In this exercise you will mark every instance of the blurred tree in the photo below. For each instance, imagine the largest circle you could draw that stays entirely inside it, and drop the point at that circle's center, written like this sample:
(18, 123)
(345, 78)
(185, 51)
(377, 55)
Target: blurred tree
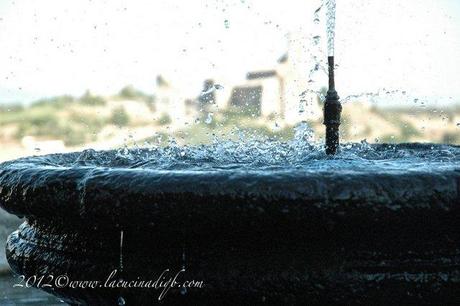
(129, 92)
(58, 102)
(164, 119)
(90, 99)
(119, 117)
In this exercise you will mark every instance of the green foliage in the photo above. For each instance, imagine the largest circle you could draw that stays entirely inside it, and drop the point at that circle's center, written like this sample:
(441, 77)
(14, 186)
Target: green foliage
(388, 138)
(129, 92)
(233, 115)
(408, 131)
(93, 123)
(12, 117)
(73, 136)
(164, 119)
(39, 124)
(56, 102)
(45, 125)
(452, 138)
(92, 100)
(119, 117)
(13, 107)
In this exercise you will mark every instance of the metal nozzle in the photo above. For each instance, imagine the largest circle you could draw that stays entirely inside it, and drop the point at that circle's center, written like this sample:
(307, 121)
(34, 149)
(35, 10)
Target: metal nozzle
(332, 110)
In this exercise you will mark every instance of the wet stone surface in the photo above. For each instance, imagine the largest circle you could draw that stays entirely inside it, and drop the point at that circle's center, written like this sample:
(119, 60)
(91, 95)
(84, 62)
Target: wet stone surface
(263, 222)
(14, 296)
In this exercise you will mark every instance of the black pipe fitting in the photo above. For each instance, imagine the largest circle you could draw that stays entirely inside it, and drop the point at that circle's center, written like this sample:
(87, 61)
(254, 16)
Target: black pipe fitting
(332, 110)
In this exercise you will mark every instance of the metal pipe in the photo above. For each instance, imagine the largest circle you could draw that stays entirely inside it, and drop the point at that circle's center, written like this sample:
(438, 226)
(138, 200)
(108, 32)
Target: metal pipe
(332, 110)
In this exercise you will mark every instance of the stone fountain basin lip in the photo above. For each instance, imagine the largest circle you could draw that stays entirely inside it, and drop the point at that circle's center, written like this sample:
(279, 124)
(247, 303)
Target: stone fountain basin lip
(30, 188)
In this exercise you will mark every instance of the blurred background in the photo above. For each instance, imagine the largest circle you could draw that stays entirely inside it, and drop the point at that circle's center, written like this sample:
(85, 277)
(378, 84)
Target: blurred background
(105, 74)
(108, 74)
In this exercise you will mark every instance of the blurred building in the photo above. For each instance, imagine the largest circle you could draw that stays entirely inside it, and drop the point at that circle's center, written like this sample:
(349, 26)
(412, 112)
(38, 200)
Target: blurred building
(278, 92)
(172, 106)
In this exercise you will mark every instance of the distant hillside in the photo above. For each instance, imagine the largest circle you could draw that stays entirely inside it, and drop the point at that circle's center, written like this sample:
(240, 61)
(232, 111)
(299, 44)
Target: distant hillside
(67, 123)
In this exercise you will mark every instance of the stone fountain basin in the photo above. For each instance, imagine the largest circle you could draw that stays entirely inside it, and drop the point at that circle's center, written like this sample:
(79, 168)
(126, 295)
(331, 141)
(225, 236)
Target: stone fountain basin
(290, 235)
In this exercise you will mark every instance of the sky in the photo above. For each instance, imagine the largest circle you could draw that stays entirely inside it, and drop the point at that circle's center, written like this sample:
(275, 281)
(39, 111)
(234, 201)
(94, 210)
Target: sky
(54, 47)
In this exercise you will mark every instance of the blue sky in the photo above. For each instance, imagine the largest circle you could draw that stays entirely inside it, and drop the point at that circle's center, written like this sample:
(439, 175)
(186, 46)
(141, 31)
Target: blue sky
(53, 47)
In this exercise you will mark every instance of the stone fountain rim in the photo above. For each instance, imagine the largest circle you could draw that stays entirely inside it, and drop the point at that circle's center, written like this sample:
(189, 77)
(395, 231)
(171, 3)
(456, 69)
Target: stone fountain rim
(82, 192)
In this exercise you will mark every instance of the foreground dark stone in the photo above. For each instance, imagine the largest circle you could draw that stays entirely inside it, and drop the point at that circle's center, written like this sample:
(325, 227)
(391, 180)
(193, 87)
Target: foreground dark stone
(281, 237)
(8, 223)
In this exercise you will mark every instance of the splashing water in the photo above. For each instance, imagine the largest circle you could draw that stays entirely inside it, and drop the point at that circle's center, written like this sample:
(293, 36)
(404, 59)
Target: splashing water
(208, 119)
(121, 301)
(372, 96)
(212, 89)
(303, 133)
(316, 19)
(251, 153)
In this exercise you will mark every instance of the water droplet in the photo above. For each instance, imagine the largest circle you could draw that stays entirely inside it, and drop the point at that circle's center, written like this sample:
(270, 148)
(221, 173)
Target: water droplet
(316, 39)
(121, 301)
(303, 132)
(226, 24)
(183, 290)
(121, 250)
(302, 105)
(37, 149)
(211, 89)
(208, 119)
